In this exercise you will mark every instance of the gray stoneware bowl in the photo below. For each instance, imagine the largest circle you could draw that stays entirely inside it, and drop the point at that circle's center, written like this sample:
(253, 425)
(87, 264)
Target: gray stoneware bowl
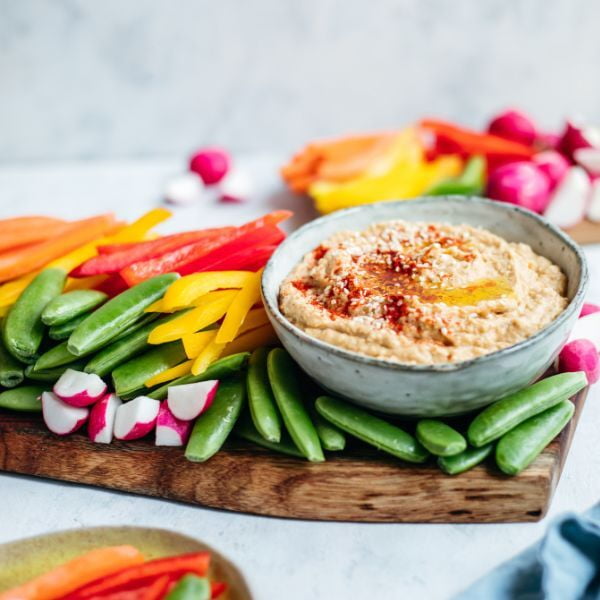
(438, 390)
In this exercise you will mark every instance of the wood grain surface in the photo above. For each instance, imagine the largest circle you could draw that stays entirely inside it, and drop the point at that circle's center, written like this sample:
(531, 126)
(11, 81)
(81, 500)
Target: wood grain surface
(585, 232)
(359, 485)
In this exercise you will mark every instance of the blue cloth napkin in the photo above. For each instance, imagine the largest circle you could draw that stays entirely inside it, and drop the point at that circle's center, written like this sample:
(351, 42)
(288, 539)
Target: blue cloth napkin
(564, 565)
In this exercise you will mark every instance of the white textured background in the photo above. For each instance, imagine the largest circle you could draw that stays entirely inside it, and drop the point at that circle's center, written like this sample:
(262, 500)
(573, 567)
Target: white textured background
(117, 78)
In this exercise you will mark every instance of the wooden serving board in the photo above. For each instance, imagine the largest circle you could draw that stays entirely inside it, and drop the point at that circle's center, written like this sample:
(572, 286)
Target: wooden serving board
(358, 485)
(585, 232)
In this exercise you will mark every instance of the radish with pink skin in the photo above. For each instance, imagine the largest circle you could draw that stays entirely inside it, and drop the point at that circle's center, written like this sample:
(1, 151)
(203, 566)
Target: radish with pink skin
(102, 419)
(136, 418)
(78, 388)
(62, 418)
(521, 183)
(587, 328)
(577, 136)
(553, 165)
(569, 201)
(580, 355)
(588, 309)
(171, 431)
(188, 401)
(514, 125)
(211, 164)
(589, 159)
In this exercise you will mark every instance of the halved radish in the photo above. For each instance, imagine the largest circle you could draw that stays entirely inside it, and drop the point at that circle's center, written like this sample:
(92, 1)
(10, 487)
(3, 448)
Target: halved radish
(593, 212)
(188, 401)
(136, 418)
(580, 355)
(171, 431)
(587, 328)
(102, 419)
(588, 308)
(62, 418)
(78, 388)
(589, 159)
(569, 201)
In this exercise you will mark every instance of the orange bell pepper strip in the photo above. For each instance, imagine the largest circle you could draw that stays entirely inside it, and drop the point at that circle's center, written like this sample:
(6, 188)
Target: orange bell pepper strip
(24, 231)
(472, 142)
(261, 336)
(78, 572)
(199, 318)
(244, 300)
(85, 283)
(186, 289)
(197, 563)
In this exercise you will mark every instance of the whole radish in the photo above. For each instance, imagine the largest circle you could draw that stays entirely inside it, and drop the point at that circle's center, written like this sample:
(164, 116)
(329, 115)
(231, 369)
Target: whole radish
(514, 125)
(211, 164)
(589, 309)
(580, 355)
(553, 165)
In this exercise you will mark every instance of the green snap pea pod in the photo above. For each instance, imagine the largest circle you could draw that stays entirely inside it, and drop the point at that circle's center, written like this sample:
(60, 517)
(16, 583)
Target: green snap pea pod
(132, 375)
(220, 369)
(51, 375)
(124, 348)
(142, 321)
(212, 427)
(23, 328)
(11, 370)
(371, 429)
(64, 330)
(25, 398)
(507, 413)
(332, 438)
(466, 460)
(285, 384)
(121, 311)
(260, 397)
(246, 430)
(518, 448)
(55, 357)
(190, 587)
(69, 305)
(440, 439)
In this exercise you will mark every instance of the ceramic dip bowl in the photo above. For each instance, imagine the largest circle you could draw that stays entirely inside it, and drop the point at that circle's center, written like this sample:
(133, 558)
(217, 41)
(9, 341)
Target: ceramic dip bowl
(441, 389)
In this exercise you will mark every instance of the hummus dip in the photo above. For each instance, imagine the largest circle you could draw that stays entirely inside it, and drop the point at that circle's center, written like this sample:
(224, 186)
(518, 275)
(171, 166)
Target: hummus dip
(422, 293)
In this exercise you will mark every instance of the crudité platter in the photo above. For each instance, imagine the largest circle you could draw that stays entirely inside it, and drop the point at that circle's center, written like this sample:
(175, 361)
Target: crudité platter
(147, 363)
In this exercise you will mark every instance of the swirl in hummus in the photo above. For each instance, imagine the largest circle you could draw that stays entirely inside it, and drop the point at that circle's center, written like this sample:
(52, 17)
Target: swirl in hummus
(422, 293)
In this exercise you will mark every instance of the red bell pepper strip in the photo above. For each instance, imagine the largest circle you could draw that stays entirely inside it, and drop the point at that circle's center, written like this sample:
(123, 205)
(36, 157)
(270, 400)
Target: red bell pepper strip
(258, 260)
(138, 575)
(458, 140)
(113, 286)
(117, 260)
(272, 218)
(194, 258)
(217, 588)
(222, 256)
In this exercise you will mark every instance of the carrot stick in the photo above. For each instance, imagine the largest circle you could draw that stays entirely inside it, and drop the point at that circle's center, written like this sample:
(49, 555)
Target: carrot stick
(76, 573)
(23, 231)
(22, 261)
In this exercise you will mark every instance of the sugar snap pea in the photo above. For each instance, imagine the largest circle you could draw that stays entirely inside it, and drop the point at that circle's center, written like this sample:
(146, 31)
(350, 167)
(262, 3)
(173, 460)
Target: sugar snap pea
(124, 348)
(518, 448)
(260, 397)
(11, 370)
(190, 587)
(507, 413)
(220, 369)
(371, 429)
(55, 357)
(121, 311)
(439, 438)
(212, 427)
(246, 430)
(64, 330)
(23, 328)
(25, 398)
(130, 376)
(332, 438)
(466, 460)
(283, 376)
(51, 375)
(69, 305)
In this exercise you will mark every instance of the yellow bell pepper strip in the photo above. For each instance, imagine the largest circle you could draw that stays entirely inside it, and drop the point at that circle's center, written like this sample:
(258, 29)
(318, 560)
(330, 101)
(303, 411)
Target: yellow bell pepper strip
(261, 336)
(255, 318)
(157, 307)
(9, 292)
(185, 290)
(86, 283)
(206, 299)
(179, 370)
(194, 343)
(244, 300)
(195, 320)
(211, 352)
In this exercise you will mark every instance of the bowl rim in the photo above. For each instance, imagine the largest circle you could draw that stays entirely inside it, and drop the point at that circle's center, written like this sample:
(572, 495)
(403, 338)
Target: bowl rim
(302, 336)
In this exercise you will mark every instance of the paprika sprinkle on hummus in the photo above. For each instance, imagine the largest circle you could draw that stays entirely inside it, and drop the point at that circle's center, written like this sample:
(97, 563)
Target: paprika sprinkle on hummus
(422, 293)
